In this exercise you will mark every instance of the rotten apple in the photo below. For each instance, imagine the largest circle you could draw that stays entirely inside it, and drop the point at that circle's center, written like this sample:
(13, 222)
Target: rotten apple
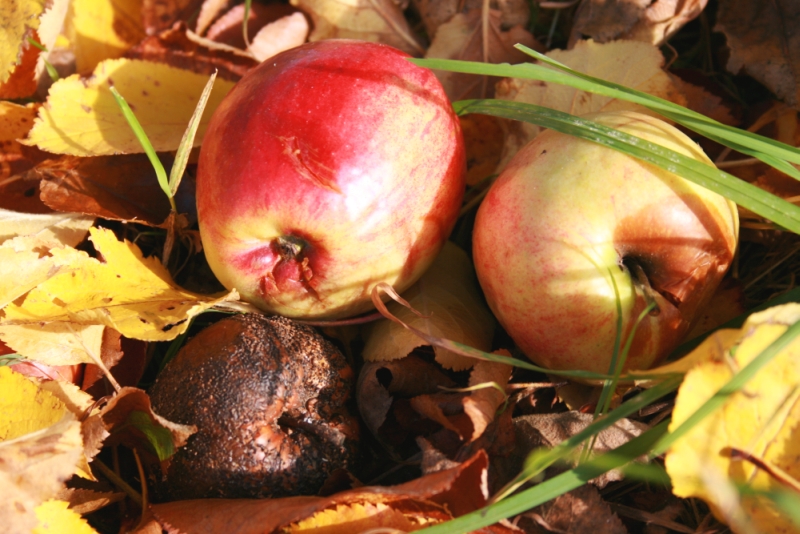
(327, 169)
(571, 224)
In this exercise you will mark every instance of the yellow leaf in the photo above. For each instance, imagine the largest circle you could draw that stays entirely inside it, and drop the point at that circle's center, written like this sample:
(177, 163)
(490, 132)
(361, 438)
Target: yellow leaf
(55, 517)
(50, 229)
(103, 29)
(761, 421)
(34, 468)
(51, 25)
(82, 118)
(380, 21)
(448, 297)
(58, 343)
(17, 17)
(132, 294)
(355, 517)
(22, 269)
(634, 64)
(24, 407)
(15, 120)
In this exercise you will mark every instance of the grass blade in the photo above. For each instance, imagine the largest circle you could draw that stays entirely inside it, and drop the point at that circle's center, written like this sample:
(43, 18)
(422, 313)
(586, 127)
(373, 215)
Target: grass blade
(185, 148)
(140, 134)
(749, 143)
(777, 210)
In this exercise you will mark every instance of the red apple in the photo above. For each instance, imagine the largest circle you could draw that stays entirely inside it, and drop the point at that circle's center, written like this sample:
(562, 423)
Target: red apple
(329, 168)
(566, 215)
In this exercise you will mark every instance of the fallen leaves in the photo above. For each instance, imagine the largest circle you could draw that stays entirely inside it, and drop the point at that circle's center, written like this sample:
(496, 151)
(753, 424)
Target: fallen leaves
(126, 291)
(82, 118)
(763, 43)
(19, 18)
(760, 421)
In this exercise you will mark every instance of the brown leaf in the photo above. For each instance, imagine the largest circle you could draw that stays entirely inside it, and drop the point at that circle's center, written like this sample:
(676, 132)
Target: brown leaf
(450, 305)
(727, 303)
(462, 38)
(380, 382)
(177, 47)
(380, 21)
(436, 12)
(581, 511)
(112, 187)
(639, 20)
(84, 501)
(117, 418)
(228, 28)
(460, 490)
(483, 141)
(702, 101)
(125, 357)
(159, 15)
(22, 82)
(764, 42)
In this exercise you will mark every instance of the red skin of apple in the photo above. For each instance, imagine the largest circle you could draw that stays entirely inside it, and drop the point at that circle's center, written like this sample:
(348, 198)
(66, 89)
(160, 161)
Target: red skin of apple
(329, 168)
(566, 215)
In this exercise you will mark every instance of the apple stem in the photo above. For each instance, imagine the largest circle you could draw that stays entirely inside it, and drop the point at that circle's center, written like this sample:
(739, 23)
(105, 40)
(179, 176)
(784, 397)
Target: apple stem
(641, 281)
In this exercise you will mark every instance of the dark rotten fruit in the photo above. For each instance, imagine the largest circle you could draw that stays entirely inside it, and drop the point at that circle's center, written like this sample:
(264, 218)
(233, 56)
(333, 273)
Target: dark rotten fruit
(268, 398)
(329, 168)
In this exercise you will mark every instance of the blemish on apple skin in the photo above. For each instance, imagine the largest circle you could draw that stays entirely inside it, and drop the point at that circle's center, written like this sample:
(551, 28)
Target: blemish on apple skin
(86, 108)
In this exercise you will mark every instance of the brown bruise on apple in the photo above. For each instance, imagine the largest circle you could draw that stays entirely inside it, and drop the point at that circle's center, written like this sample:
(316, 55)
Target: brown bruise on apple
(682, 250)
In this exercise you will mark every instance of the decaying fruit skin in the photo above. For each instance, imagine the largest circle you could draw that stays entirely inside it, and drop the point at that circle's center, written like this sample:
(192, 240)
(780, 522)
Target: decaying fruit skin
(269, 398)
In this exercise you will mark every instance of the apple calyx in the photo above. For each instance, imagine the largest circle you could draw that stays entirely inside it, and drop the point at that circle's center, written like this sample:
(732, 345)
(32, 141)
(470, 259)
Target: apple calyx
(292, 270)
(642, 284)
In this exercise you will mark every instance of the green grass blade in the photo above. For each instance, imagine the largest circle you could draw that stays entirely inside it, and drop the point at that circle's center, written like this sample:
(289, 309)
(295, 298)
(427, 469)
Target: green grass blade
(747, 195)
(735, 384)
(752, 144)
(140, 134)
(51, 70)
(552, 488)
(185, 148)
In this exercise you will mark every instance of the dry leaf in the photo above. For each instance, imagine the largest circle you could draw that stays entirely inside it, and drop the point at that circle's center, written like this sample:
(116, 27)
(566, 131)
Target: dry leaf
(283, 34)
(209, 11)
(48, 229)
(482, 404)
(129, 419)
(159, 15)
(51, 26)
(40, 446)
(22, 268)
(483, 142)
(459, 490)
(462, 38)
(82, 118)
(380, 21)
(17, 19)
(55, 344)
(702, 101)
(123, 188)
(33, 469)
(634, 64)
(180, 48)
(639, 20)
(580, 511)
(761, 420)
(22, 82)
(228, 28)
(56, 517)
(727, 303)
(763, 42)
(85, 501)
(132, 294)
(102, 29)
(450, 302)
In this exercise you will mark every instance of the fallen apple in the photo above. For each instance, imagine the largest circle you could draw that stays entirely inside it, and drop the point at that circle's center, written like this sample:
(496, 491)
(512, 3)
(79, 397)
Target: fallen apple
(569, 224)
(327, 169)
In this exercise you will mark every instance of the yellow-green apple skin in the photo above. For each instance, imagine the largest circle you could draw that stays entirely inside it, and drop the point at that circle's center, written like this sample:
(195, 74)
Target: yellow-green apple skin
(568, 219)
(327, 169)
